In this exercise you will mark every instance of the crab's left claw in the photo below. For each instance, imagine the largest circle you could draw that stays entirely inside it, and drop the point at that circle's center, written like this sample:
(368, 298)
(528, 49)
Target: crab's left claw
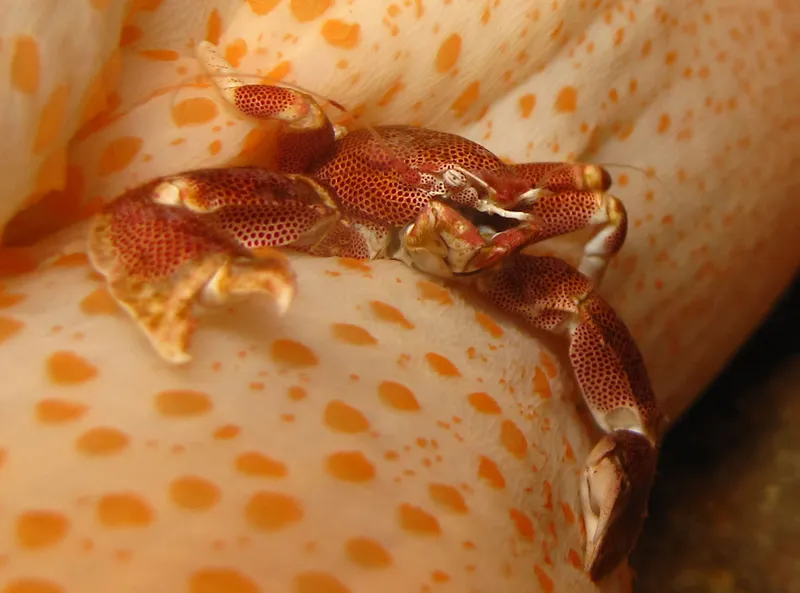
(615, 488)
(205, 237)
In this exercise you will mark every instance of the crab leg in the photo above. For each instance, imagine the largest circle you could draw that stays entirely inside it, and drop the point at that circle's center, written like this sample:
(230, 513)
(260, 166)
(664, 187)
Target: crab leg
(576, 198)
(548, 294)
(307, 136)
(205, 236)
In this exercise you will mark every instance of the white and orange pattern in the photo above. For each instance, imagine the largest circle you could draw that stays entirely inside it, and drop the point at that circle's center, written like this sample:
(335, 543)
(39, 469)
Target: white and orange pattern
(387, 433)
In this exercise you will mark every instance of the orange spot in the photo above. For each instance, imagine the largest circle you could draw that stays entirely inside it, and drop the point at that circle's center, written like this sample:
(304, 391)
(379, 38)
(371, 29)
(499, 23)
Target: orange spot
(350, 466)
(670, 58)
(280, 71)
(441, 365)
(354, 264)
(50, 119)
(9, 327)
(67, 368)
(194, 493)
(222, 580)
(418, 521)
(526, 105)
(522, 523)
(385, 312)
(545, 582)
(466, 99)
(129, 35)
(235, 51)
(26, 66)
(484, 403)
(254, 463)
(297, 393)
(367, 553)
(398, 396)
(262, 7)
(353, 334)
(8, 301)
(118, 155)
(31, 586)
(428, 291)
(308, 10)
(489, 325)
(513, 440)
(541, 385)
(440, 576)
(646, 47)
(344, 418)
(341, 34)
(448, 496)
(293, 354)
(41, 529)
(390, 94)
(488, 470)
(99, 302)
(548, 364)
(227, 432)
(214, 26)
(567, 100)
(160, 55)
(101, 441)
(663, 123)
(58, 411)
(179, 403)
(547, 488)
(569, 454)
(318, 582)
(124, 510)
(72, 260)
(194, 111)
(575, 559)
(448, 53)
(569, 514)
(272, 511)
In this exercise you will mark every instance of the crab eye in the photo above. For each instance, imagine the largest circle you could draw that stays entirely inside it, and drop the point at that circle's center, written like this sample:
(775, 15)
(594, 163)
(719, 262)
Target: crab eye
(454, 178)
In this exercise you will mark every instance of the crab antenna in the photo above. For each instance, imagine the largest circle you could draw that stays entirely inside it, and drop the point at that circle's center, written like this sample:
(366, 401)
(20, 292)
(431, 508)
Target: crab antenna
(647, 172)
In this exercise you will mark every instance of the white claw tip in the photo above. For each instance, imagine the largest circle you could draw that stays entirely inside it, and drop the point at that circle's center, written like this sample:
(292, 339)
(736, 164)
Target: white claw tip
(283, 300)
(167, 193)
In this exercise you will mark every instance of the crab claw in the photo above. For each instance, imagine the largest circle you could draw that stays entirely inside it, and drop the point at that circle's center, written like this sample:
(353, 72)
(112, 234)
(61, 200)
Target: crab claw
(615, 488)
(159, 261)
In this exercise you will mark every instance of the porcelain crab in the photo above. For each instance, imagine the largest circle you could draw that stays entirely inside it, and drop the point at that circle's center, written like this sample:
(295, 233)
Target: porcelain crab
(436, 201)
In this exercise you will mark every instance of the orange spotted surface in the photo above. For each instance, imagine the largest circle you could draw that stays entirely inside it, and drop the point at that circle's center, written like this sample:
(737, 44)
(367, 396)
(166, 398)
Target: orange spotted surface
(387, 434)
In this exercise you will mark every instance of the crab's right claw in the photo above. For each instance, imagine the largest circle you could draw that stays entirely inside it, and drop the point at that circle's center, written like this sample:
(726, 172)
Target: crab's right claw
(615, 488)
(160, 260)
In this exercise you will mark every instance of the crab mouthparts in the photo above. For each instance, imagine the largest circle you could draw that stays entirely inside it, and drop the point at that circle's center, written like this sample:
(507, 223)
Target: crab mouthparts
(489, 208)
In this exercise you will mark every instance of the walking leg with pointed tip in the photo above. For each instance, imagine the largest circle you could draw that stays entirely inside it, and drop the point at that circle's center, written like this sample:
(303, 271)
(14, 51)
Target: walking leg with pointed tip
(548, 294)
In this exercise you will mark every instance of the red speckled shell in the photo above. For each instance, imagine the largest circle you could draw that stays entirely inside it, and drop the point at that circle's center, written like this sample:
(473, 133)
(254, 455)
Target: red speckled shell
(367, 185)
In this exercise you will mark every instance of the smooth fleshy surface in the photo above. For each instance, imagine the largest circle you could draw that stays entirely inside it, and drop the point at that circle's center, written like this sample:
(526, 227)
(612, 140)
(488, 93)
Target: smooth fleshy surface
(387, 432)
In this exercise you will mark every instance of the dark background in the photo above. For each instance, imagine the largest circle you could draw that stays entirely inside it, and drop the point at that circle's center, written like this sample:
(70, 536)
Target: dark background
(725, 509)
